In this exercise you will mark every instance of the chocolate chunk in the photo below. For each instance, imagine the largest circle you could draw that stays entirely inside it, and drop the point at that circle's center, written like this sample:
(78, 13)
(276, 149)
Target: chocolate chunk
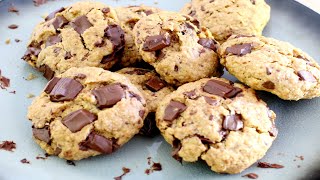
(268, 165)
(81, 24)
(33, 49)
(76, 120)
(39, 2)
(208, 43)
(149, 128)
(155, 84)
(173, 110)
(4, 82)
(268, 85)
(67, 56)
(47, 71)
(52, 40)
(251, 176)
(137, 71)
(66, 89)
(157, 42)
(8, 145)
(109, 95)
(196, 23)
(220, 88)
(306, 76)
(116, 35)
(53, 14)
(233, 122)
(191, 94)
(24, 161)
(105, 10)
(204, 140)
(239, 49)
(51, 85)
(13, 26)
(176, 148)
(59, 22)
(43, 134)
(210, 101)
(156, 167)
(253, 2)
(98, 143)
(71, 163)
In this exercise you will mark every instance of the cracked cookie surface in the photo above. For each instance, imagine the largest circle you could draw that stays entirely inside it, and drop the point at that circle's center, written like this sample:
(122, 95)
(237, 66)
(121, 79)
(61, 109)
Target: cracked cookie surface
(128, 17)
(83, 34)
(153, 89)
(223, 123)
(177, 47)
(86, 112)
(272, 65)
(226, 17)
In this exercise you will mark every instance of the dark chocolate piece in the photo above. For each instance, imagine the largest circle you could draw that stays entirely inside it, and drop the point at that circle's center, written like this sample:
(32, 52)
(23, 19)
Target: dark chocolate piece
(53, 14)
(233, 122)
(43, 134)
(306, 76)
(239, 49)
(8, 145)
(66, 89)
(268, 85)
(109, 95)
(155, 84)
(76, 120)
(98, 143)
(208, 43)
(157, 42)
(268, 165)
(51, 85)
(52, 40)
(173, 110)
(81, 24)
(221, 88)
(59, 22)
(47, 71)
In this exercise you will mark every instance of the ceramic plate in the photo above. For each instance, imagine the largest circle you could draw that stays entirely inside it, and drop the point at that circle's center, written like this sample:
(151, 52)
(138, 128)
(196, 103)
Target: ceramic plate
(298, 122)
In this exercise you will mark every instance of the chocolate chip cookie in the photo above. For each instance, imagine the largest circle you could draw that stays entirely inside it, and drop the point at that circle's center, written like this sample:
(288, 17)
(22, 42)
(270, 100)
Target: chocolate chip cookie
(272, 65)
(153, 88)
(226, 17)
(177, 47)
(223, 123)
(83, 34)
(128, 17)
(86, 112)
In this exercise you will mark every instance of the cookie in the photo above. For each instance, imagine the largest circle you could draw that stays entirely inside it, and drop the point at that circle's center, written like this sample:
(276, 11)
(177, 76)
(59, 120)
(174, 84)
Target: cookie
(177, 47)
(153, 89)
(83, 34)
(271, 65)
(224, 124)
(86, 112)
(226, 17)
(128, 17)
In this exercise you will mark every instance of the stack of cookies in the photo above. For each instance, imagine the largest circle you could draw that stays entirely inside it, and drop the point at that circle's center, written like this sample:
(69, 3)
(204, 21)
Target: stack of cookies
(117, 72)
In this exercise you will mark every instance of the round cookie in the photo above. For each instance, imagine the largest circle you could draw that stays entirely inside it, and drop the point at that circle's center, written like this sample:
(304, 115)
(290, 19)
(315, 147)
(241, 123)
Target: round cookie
(86, 112)
(226, 17)
(178, 49)
(223, 123)
(128, 17)
(83, 34)
(272, 65)
(153, 89)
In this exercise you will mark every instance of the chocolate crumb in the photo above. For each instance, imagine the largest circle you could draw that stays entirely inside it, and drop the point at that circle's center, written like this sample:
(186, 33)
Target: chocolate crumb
(13, 9)
(24, 161)
(12, 92)
(154, 167)
(125, 171)
(43, 158)
(17, 40)
(300, 157)
(149, 160)
(71, 163)
(39, 2)
(8, 146)
(13, 26)
(4, 82)
(251, 176)
(268, 165)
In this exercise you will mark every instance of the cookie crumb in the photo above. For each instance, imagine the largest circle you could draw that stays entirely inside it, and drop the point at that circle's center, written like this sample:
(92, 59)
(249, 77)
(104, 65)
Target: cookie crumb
(71, 163)
(268, 165)
(251, 176)
(125, 171)
(13, 26)
(8, 146)
(30, 77)
(7, 41)
(29, 96)
(24, 161)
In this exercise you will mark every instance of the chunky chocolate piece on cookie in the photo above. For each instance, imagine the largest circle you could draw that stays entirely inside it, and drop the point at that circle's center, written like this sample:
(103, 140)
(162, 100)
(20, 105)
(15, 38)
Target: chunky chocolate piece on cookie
(109, 95)
(51, 85)
(269, 85)
(53, 14)
(222, 89)
(116, 35)
(157, 42)
(173, 110)
(208, 43)
(240, 49)
(65, 89)
(42, 134)
(52, 40)
(81, 24)
(233, 122)
(59, 22)
(47, 71)
(76, 120)
(98, 143)
(155, 84)
(306, 76)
